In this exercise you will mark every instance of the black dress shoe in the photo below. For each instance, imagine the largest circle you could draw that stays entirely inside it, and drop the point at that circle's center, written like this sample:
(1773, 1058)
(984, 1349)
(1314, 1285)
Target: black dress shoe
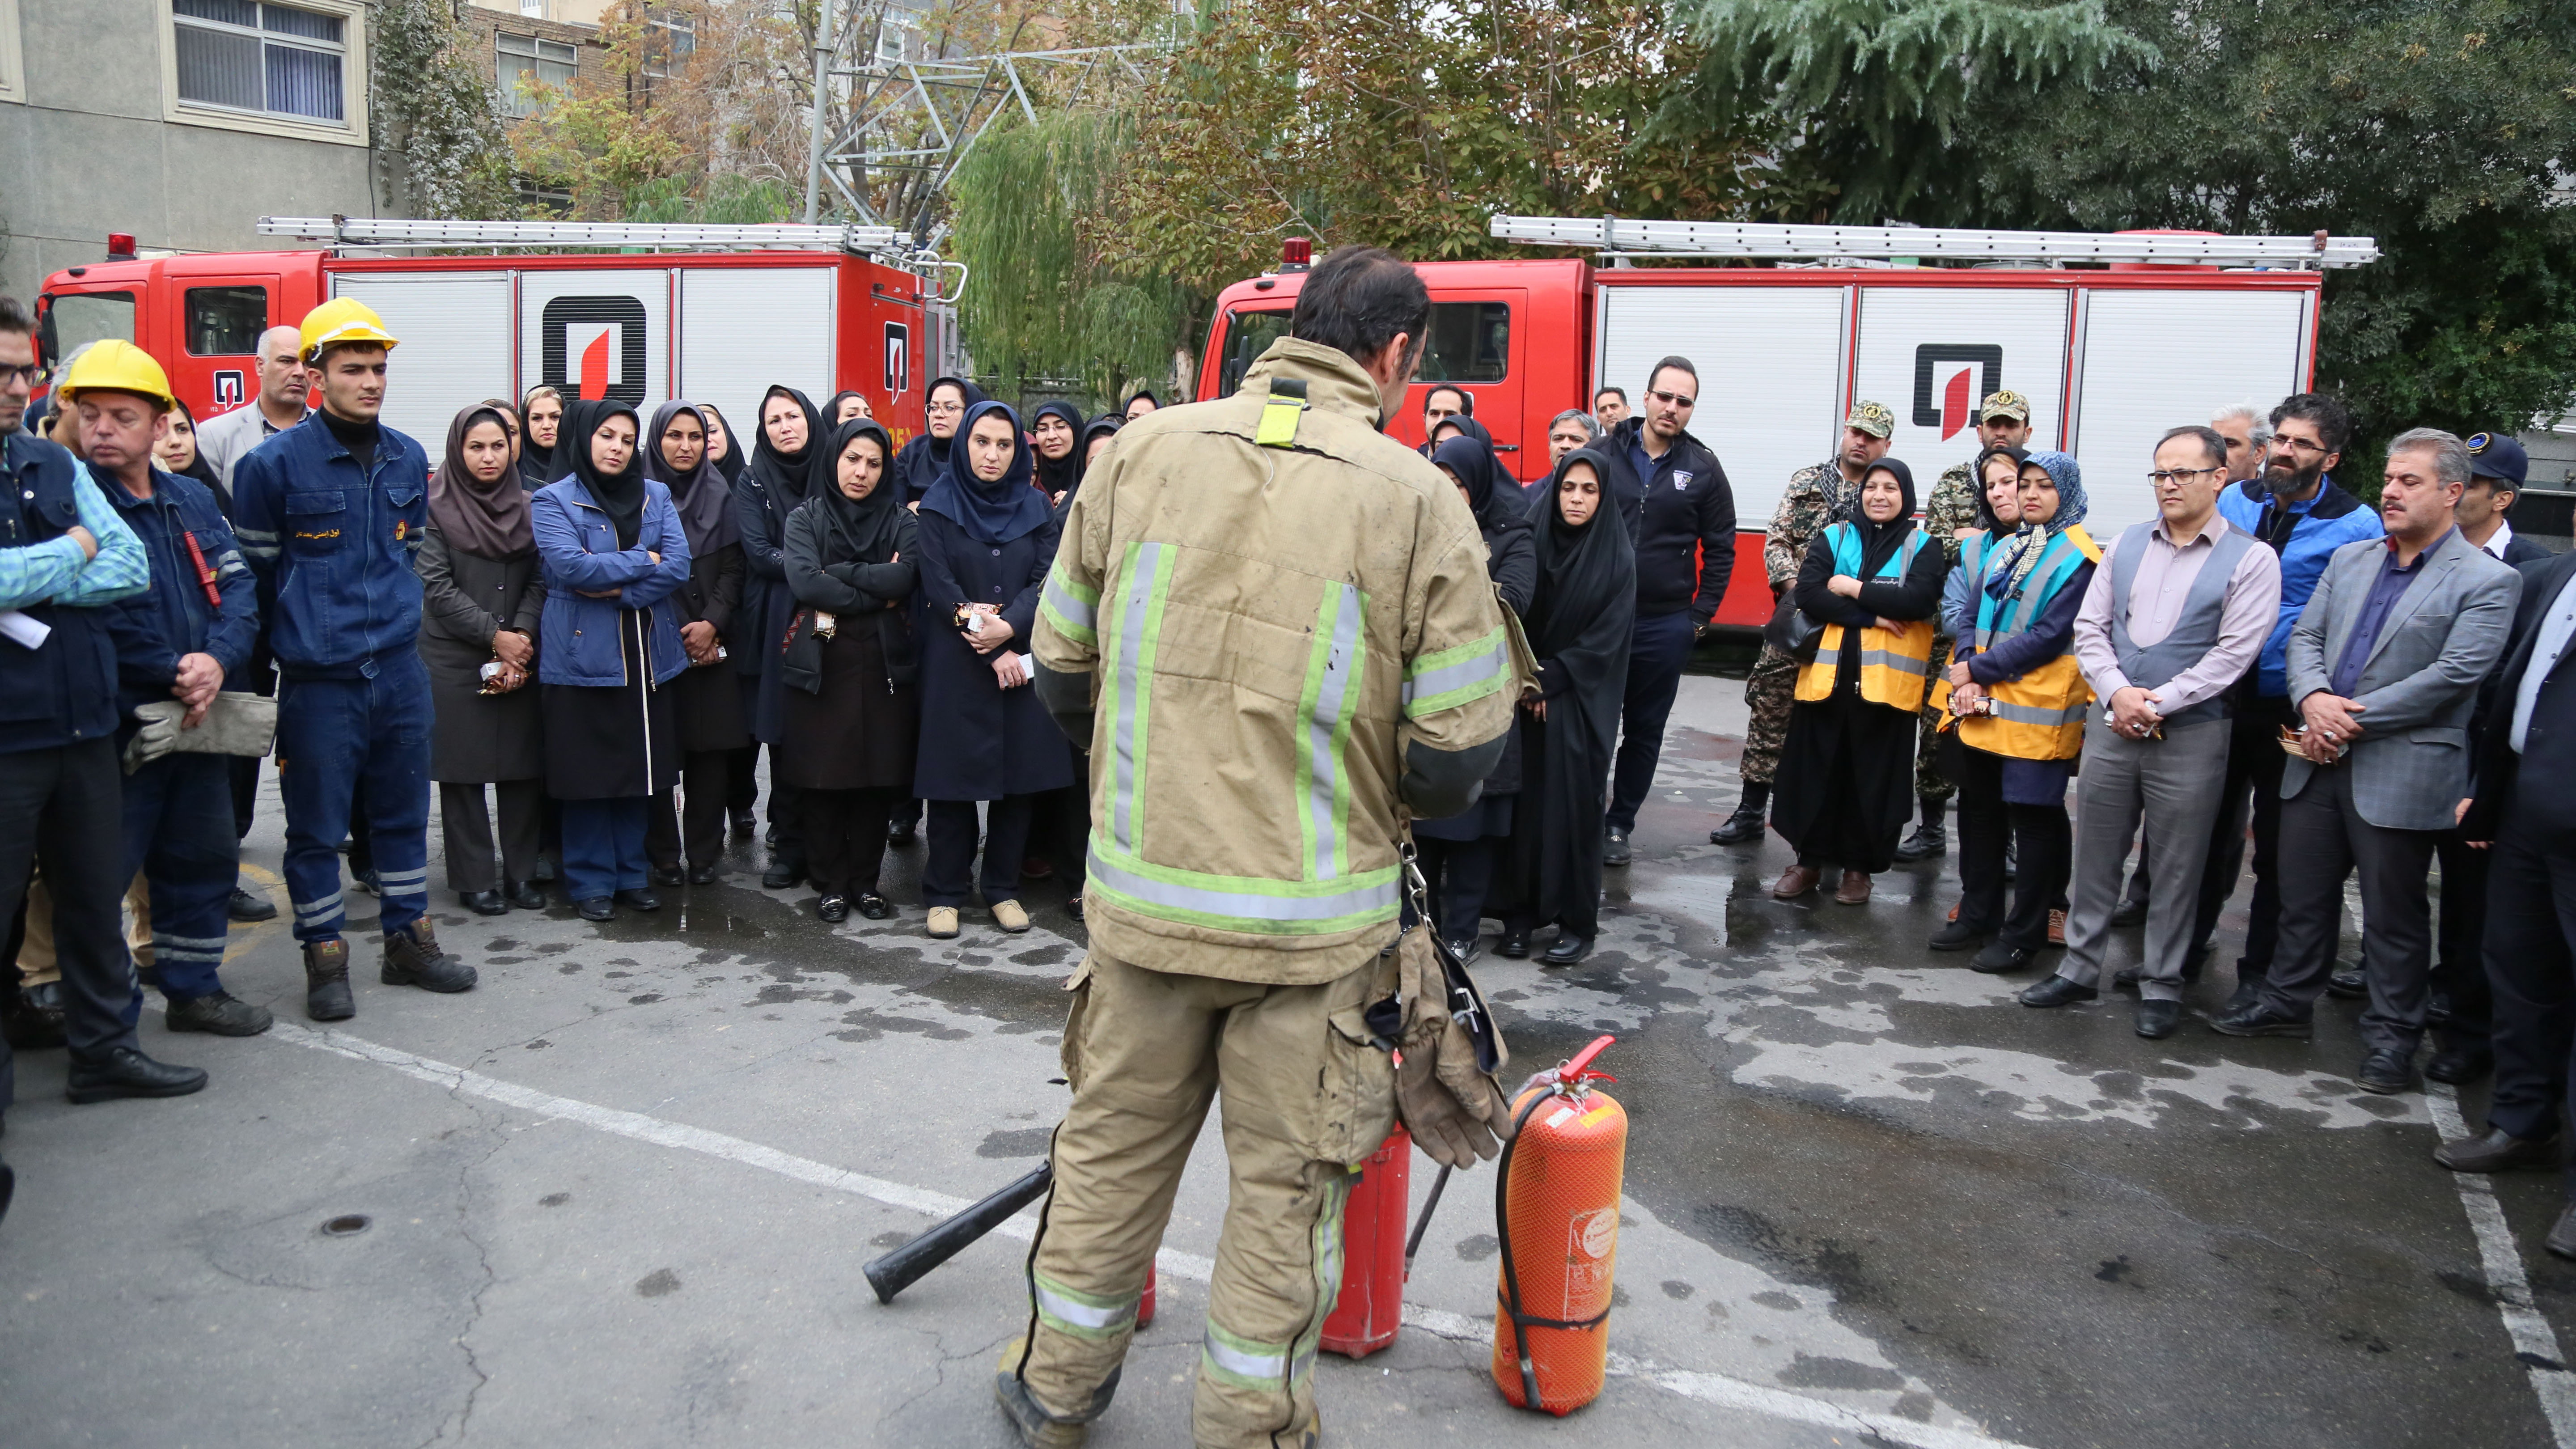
(524, 895)
(598, 908)
(2057, 991)
(2437, 1007)
(743, 823)
(38, 1023)
(2460, 1066)
(1957, 936)
(247, 907)
(2159, 1019)
(782, 874)
(2386, 1071)
(2498, 1151)
(639, 900)
(2258, 1018)
(1464, 950)
(484, 903)
(2001, 957)
(902, 834)
(833, 908)
(2125, 979)
(544, 874)
(668, 875)
(769, 837)
(1614, 847)
(125, 1072)
(2561, 1241)
(220, 1013)
(1929, 839)
(2348, 982)
(1567, 950)
(2130, 913)
(704, 874)
(1515, 942)
(1741, 828)
(876, 908)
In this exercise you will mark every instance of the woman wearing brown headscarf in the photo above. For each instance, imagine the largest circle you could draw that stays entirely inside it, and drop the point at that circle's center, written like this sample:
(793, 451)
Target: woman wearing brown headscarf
(480, 602)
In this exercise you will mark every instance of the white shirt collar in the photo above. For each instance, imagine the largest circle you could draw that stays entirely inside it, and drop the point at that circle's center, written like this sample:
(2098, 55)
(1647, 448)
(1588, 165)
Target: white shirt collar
(2495, 545)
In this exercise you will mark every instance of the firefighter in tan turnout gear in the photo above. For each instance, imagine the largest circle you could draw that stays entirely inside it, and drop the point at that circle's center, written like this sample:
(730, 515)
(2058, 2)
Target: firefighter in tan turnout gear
(1271, 626)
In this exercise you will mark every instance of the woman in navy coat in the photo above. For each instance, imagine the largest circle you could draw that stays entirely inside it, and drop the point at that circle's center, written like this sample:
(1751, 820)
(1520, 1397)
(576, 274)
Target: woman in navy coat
(614, 553)
(987, 540)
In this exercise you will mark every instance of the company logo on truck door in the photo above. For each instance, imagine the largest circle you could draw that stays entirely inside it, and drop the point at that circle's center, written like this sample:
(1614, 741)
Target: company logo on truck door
(595, 345)
(1949, 378)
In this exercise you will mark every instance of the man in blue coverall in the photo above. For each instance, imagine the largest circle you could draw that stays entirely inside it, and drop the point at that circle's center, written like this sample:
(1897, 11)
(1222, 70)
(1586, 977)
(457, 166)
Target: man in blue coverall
(329, 515)
(180, 640)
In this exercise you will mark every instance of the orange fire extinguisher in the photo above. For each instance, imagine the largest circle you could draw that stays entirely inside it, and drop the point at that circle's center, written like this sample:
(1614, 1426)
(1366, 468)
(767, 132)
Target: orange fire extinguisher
(1556, 1210)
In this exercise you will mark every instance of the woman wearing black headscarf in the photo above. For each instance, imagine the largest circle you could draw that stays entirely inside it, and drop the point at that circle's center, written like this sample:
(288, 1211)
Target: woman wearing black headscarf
(1578, 622)
(1131, 412)
(846, 405)
(785, 455)
(742, 767)
(987, 539)
(706, 700)
(1458, 851)
(480, 602)
(1846, 779)
(722, 449)
(175, 451)
(542, 458)
(614, 554)
(1055, 445)
(924, 460)
(853, 708)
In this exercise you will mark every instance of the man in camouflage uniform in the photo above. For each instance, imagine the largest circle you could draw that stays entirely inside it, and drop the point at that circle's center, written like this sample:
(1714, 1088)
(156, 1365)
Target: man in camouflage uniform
(1819, 494)
(2003, 421)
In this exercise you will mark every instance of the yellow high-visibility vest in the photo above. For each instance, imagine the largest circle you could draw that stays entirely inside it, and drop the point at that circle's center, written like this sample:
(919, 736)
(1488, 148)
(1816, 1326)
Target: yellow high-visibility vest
(2040, 714)
(1896, 663)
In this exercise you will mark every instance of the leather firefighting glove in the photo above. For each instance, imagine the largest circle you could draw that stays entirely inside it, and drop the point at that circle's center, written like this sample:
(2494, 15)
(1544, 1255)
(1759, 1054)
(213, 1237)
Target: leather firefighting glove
(1455, 1110)
(159, 735)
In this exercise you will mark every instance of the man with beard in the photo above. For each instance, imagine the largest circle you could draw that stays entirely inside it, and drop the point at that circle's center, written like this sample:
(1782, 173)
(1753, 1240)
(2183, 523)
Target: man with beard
(2295, 508)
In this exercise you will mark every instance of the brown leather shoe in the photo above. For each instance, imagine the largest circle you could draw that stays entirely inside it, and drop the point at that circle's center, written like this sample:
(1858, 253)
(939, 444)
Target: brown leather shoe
(2057, 928)
(1854, 891)
(1796, 881)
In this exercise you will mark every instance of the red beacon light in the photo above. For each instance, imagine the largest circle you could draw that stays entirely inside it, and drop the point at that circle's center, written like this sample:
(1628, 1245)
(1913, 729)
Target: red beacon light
(120, 246)
(1296, 254)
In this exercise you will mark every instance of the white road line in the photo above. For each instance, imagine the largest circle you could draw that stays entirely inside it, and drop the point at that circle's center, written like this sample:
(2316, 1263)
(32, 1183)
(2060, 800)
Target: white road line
(2534, 1342)
(1713, 1389)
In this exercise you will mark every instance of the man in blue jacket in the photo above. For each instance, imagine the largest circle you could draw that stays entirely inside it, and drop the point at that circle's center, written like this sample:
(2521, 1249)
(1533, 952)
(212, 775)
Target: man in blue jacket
(1680, 513)
(181, 639)
(2295, 508)
(329, 514)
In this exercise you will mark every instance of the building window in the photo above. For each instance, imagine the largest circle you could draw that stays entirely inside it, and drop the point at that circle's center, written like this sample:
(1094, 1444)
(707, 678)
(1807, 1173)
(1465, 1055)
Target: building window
(525, 63)
(544, 198)
(13, 84)
(670, 38)
(274, 60)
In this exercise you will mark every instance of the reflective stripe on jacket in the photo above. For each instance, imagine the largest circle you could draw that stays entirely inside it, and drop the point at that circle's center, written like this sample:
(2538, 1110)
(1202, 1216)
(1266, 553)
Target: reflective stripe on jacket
(1274, 601)
(2038, 714)
(1894, 663)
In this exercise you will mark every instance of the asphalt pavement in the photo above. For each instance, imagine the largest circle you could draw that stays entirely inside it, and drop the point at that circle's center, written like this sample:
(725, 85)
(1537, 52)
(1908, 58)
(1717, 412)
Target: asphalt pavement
(621, 1193)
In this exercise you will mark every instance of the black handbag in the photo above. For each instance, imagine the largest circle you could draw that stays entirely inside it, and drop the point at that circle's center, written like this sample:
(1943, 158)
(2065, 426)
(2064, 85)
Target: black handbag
(1792, 631)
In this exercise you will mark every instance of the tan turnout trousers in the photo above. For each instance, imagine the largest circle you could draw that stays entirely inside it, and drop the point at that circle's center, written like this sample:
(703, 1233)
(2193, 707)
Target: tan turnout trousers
(1306, 1099)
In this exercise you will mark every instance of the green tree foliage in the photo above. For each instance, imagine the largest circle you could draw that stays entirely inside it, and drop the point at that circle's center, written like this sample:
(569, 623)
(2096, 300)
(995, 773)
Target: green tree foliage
(434, 108)
(2445, 128)
(1041, 305)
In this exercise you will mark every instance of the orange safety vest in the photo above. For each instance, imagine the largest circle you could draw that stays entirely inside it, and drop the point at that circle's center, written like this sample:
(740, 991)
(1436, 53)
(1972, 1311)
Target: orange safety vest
(2038, 715)
(1894, 663)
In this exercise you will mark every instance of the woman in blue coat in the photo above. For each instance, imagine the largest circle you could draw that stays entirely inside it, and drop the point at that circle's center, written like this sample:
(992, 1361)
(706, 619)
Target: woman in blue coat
(988, 537)
(614, 552)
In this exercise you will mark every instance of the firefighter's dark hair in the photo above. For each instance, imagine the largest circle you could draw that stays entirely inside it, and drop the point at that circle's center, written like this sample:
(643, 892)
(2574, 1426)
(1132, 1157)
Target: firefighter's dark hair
(1357, 299)
(14, 318)
(2333, 420)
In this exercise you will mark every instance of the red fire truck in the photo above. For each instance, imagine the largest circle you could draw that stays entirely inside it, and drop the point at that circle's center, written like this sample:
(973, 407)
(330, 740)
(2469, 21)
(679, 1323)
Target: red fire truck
(2113, 338)
(634, 311)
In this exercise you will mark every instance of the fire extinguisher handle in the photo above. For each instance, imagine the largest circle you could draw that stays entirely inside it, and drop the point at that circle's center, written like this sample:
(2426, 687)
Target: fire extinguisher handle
(1582, 1062)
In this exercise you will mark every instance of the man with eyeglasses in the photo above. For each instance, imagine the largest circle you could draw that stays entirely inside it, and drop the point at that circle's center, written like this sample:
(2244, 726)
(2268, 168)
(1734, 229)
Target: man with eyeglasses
(1819, 494)
(2297, 510)
(1680, 513)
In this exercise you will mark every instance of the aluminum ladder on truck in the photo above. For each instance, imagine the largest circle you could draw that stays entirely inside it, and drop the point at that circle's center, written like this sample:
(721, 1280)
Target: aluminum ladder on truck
(1618, 239)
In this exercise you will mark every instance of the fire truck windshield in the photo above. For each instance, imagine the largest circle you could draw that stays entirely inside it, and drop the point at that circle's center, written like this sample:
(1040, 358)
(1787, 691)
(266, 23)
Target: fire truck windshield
(73, 320)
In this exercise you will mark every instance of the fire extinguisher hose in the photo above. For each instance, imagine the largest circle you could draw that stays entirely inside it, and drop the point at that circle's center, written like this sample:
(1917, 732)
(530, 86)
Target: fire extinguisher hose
(1522, 1322)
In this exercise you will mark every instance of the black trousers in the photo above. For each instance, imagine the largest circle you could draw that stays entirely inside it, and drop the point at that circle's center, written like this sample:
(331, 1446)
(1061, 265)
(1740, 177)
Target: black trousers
(1060, 832)
(948, 873)
(63, 810)
(1659, 645)
(2043, 842)
(742, 777)
(2323, 831)
(2254, 762)
(2531, 967)
(845, 837)
(2459, 956)
(1458, 873)
(465, 830)
(698, 825)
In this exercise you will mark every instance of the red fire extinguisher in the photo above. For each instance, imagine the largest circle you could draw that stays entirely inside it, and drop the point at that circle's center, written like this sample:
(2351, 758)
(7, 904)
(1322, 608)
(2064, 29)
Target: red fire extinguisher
(1371, 1305)
(1556, 1209)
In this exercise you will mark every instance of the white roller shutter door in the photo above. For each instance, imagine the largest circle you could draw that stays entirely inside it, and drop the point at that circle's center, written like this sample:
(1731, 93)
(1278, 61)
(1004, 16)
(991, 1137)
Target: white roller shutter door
(2156, 360)
(619, 319)
(454, 349)
(1933, 353)
(743, 329)
(1770, 363)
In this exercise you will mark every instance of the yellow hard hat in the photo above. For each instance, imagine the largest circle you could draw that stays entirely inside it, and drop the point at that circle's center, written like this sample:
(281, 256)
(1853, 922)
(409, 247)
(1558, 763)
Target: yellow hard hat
(117, 366)
(342, 319)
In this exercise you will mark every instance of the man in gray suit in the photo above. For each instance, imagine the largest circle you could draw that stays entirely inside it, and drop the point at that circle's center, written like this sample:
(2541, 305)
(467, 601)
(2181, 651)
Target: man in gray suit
(2384, 665)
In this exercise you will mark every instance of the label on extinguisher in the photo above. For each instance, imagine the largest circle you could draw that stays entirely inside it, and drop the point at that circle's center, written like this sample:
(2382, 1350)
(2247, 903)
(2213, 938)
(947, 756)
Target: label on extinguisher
(1591, 1235)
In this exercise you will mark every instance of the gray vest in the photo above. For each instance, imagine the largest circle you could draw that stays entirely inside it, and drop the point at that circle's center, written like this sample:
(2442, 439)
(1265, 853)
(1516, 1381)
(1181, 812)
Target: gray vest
(2195, 632)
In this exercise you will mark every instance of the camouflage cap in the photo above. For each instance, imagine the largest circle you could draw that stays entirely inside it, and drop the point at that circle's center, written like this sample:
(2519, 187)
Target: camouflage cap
(2004, 403)
(1873, 418)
